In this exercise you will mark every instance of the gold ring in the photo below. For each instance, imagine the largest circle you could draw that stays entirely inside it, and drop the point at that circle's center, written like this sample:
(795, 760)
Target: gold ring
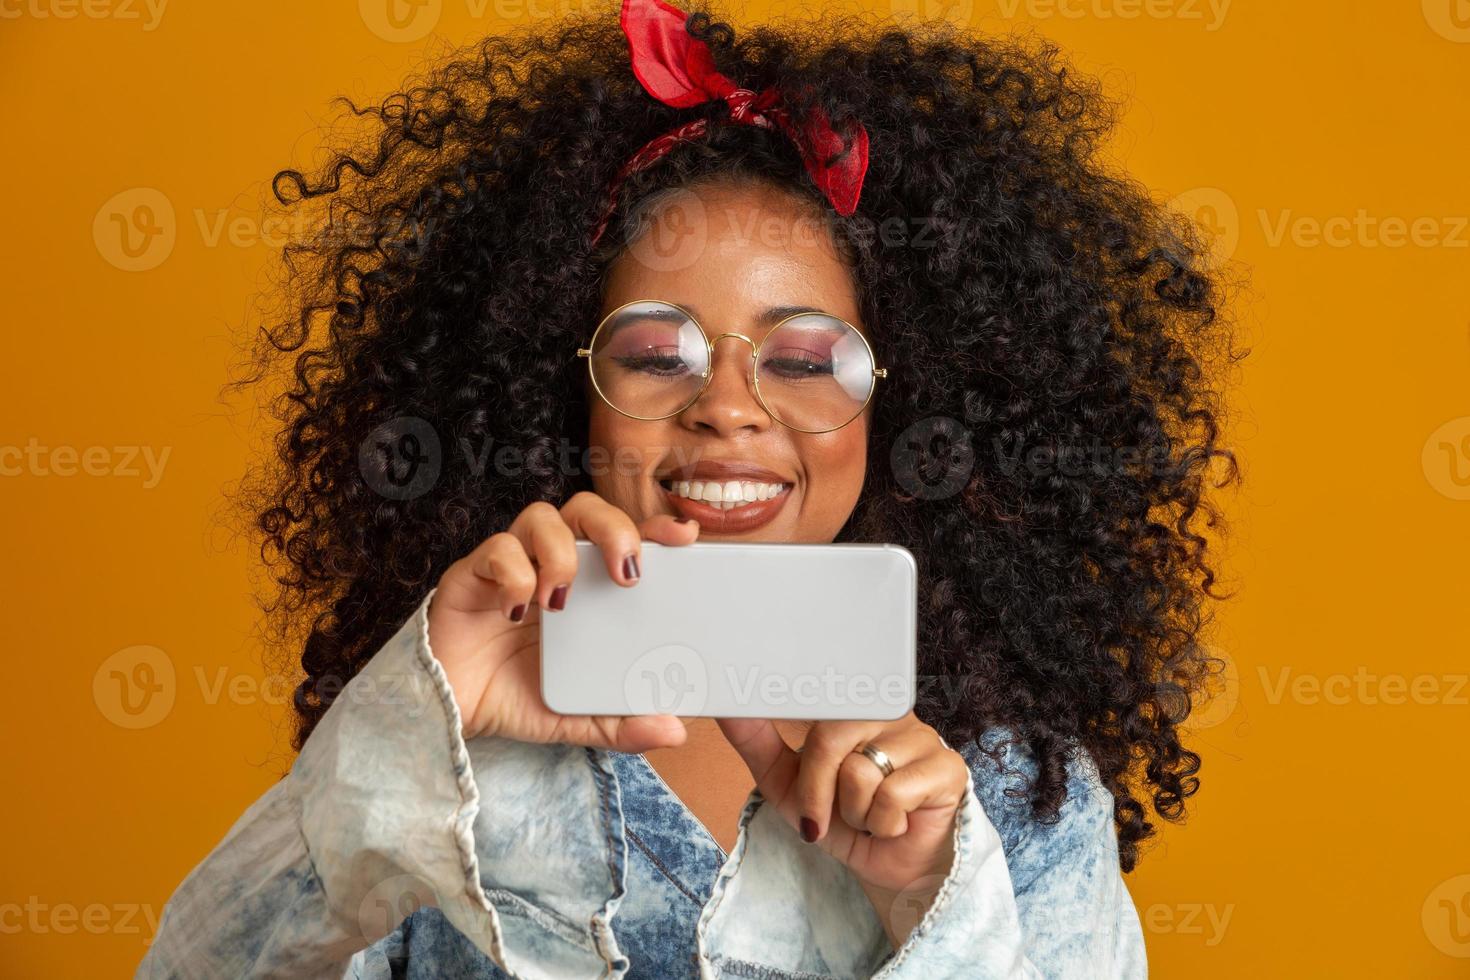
(879, 757)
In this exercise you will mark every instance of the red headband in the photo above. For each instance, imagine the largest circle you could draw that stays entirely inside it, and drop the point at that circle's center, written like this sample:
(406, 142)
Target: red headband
(679, 71)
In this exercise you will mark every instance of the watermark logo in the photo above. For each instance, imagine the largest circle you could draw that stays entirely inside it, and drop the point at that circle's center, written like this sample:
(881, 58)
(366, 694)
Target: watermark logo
(669, 232)
(400, 21)
(135, 229)
(1446, 916)
(135, 687)
(1446, 458)
(667, 680)
(390, 901)
(1450, 19)
(933, 458)
(401, 458)
(1214, 213)
(1221, 691)
(910, 905)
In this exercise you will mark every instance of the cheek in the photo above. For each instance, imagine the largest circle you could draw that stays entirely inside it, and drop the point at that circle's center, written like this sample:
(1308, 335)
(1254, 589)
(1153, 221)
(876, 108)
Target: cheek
(840, 463)
(622, 455)
(605, 436)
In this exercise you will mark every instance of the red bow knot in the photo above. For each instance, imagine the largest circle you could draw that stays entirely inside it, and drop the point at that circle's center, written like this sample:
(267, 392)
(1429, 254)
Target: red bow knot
(679, 71)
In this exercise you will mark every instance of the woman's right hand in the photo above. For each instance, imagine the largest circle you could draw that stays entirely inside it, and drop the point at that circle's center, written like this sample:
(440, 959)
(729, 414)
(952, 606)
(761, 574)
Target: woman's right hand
(484, 621)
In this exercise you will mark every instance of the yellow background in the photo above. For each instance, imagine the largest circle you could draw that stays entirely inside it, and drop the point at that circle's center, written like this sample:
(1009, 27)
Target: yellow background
(1326, 142)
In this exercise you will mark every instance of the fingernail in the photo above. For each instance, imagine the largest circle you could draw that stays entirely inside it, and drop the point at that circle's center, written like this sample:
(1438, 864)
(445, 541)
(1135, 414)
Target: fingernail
(630, 567)
(558, 597)
(518, 613)
(808, 829)
(685, 520)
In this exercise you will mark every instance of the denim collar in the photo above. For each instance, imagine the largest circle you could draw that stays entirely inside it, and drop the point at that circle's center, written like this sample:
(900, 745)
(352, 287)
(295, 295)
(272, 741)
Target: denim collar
(659, 824)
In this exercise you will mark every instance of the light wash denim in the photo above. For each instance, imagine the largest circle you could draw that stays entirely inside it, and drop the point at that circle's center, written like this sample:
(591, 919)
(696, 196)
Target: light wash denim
(395, 848)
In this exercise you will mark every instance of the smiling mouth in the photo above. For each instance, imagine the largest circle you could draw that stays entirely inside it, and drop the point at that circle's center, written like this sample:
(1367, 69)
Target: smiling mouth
(725, 494)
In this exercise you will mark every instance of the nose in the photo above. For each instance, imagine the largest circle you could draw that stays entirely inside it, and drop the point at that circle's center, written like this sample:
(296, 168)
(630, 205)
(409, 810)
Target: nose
(727, 403)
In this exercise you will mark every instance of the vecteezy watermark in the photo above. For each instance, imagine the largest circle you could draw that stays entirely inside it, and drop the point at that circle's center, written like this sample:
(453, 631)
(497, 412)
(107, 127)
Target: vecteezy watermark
(1203, 919)
(830, 688)
(401, 458)
(406, 21)
(1362, 687)
(38, 917)
(146, 13)
(933, 458)
(1446, 458)
(1363, 229)
(1446, 916)
(1450, 19)
(1215, 217)
(668, 230)
(667, 680)
(674, 679)
(404, 457)
(138, 687)
(1220, 694)
(1209, 13)
(137, 229)
(123, 462)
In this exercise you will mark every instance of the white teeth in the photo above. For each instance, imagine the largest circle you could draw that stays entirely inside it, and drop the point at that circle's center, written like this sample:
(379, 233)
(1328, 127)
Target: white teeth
(733, 493)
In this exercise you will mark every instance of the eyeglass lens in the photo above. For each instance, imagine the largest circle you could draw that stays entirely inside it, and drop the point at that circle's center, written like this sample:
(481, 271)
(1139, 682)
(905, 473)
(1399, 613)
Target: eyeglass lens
(814, 371)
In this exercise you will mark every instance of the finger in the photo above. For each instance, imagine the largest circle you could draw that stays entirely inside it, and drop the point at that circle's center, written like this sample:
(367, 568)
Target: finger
(772, 763)
(611, 529)
(931, 782)
(635, 733)
(827, 746)
(495, 575)
(668, 529)
(858, 777)
(552, 545)
(501, 562)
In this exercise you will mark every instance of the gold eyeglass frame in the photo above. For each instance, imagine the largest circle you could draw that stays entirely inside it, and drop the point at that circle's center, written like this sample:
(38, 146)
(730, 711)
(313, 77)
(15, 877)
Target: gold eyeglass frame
(709, 371)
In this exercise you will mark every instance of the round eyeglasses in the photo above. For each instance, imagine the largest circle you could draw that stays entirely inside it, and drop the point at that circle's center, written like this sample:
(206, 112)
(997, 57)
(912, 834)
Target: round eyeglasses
(813, 372)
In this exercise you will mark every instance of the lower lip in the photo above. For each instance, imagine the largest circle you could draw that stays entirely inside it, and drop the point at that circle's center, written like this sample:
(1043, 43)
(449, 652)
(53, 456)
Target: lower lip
(756, 514)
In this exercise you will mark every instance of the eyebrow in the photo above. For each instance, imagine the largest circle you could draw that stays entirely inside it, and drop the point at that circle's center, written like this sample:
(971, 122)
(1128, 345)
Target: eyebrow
(768, 317)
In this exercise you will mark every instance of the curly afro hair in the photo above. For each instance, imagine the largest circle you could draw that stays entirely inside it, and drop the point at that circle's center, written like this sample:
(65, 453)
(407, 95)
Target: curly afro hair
(1045, 451)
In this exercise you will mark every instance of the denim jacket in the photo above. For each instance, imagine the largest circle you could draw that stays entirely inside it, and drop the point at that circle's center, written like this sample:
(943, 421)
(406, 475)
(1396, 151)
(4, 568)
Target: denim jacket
(396, 848)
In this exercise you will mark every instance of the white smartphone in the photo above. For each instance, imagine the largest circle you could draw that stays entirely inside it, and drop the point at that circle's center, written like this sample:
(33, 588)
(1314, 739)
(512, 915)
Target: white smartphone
(738, 630)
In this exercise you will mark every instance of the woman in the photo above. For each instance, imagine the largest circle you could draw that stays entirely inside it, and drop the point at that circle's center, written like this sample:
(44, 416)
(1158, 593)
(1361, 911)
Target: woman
(932, 199)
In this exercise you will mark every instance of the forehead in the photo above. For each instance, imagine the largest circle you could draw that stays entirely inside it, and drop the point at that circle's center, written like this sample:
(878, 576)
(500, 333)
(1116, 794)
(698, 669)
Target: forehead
(731, 251)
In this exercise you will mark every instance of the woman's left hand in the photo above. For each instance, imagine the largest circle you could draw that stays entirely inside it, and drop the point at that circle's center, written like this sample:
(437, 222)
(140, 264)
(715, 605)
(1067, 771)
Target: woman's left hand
(894, 833)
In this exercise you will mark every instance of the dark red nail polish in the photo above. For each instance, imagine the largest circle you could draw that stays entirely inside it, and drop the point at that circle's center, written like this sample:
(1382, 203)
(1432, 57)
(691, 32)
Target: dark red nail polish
(808, 829)
(518, 613)
(559, 597)
(630, 567)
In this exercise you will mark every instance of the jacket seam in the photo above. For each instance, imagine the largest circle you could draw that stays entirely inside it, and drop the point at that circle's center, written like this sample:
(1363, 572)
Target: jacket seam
(659, 864)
